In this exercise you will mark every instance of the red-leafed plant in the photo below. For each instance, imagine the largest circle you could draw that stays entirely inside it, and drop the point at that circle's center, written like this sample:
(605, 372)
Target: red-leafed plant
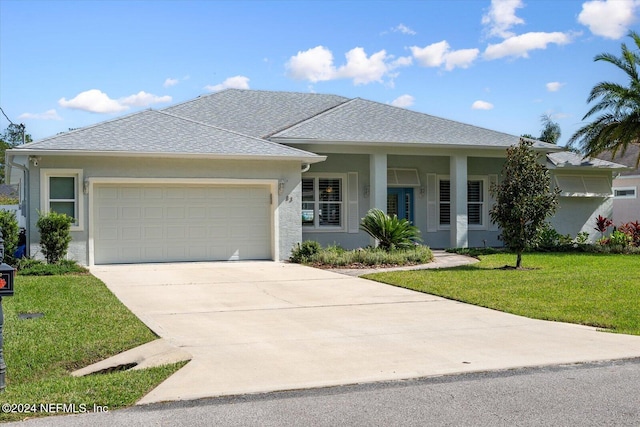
(632, 229)
(602, 224)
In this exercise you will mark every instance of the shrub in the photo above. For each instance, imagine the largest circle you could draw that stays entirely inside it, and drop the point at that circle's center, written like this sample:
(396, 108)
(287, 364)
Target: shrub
(390, 232)
(632, 229)
(55, 235)
(303, 251)
(9, 227)
(35, 267)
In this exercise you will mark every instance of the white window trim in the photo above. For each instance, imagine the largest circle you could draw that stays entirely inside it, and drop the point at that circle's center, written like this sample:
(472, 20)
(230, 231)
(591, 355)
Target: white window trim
(634, 196)
(45, 174)
(485, 201)
(343, 217)
(438, 179)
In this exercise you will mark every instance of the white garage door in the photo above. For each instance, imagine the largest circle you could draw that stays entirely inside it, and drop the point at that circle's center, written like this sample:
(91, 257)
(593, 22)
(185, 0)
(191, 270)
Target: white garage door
(162, 223)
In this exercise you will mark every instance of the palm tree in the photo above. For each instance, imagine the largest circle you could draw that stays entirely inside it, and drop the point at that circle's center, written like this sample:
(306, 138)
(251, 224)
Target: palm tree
(618, 125)
(550, 130)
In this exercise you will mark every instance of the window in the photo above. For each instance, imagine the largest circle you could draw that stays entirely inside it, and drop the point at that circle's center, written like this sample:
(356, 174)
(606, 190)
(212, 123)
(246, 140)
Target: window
(61, 192)
(476, 205)
(624, 193)
(322, 202)
(445, 202)
(475, 202)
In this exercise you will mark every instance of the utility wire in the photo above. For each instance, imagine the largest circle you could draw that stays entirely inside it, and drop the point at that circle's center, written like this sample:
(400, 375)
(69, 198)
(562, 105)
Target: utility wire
(5, 115)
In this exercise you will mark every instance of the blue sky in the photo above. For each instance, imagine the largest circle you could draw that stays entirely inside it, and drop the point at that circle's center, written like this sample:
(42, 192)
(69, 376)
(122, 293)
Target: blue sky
(494, 64)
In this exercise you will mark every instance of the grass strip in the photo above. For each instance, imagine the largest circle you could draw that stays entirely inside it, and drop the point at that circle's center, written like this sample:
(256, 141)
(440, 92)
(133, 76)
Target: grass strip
(601, 290)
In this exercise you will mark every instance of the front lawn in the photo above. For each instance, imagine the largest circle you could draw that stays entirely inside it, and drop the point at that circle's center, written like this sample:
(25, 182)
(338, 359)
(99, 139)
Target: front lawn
(82, 323)
(601, 290)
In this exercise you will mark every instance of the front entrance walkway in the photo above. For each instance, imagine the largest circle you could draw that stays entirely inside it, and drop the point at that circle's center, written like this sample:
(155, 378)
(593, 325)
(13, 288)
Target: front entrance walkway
(265, 326)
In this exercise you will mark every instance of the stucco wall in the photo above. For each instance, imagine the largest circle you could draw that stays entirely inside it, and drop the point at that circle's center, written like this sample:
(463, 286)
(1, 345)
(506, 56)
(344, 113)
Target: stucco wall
(288, 202)
(626, 210)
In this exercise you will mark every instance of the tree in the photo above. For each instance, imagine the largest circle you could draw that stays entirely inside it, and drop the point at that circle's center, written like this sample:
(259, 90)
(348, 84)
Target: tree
(12, 136)
(618, 124)
(550, 130)
(524, 199)
(391, 232)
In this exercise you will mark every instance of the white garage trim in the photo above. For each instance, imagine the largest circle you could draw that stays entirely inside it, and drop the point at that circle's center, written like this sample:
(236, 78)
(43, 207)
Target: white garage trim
(271, 183)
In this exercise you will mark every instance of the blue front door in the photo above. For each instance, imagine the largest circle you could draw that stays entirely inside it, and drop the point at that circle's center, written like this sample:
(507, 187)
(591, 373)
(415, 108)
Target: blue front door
(400, 202)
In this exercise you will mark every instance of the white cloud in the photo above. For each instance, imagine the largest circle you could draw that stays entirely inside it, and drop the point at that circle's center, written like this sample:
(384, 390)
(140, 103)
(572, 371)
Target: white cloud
(96, 101)
(235, 82)
(608, 18)
(170, 82)
(363, 69)
(47, 115)
(554, 86)
(462, 58)
(143, 99)
(482, 105)
(519, 46)
(403, 101)
(316, 65)
(432, 55)
(502, 16)
(438, 54)
(401, 28)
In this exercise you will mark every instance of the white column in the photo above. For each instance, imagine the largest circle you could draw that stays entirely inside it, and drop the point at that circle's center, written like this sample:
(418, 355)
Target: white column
(378, 181)
(459, 225)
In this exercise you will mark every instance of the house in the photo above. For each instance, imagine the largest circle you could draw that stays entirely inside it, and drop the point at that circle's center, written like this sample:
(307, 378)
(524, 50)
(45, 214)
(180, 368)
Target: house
(246, 174)
(626, 204)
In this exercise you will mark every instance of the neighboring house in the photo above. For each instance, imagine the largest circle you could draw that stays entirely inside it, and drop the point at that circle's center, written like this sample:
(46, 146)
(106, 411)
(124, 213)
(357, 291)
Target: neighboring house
(245, 174)
(626, 203)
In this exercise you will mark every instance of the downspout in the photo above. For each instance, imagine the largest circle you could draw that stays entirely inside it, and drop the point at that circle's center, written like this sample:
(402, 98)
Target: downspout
(305, 167)
(25, 201)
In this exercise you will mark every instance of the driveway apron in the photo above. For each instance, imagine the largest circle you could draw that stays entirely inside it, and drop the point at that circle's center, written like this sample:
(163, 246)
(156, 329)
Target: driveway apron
(266, 326)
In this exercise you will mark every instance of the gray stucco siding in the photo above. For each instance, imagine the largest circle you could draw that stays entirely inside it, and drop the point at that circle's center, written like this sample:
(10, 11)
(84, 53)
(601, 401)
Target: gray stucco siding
(287, 223)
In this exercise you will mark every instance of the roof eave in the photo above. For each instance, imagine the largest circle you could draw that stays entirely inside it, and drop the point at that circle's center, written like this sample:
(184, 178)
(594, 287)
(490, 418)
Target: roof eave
(310, 141)
(312, 158)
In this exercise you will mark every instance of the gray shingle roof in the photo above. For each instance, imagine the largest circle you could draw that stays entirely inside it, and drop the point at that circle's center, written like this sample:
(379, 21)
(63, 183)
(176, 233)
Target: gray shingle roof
(361, 120)
(253, 112)
(157, 132)
(629, 158)
(568, 159)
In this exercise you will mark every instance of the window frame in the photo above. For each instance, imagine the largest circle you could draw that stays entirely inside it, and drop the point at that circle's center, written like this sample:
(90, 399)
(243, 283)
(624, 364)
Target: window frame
(484, 210)
(45, 196)
(633, 196)
(316, 226)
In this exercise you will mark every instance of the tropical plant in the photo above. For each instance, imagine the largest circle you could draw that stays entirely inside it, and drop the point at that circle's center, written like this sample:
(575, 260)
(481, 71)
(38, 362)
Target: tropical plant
(391, 232)
(602, 224)
(524, 199)
(550, 130)
(55, 235)
(632, 229)
(618, 125)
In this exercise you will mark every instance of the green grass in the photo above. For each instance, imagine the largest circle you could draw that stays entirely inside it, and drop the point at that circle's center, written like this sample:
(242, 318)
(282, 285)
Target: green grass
(599, 290)
(83, 323)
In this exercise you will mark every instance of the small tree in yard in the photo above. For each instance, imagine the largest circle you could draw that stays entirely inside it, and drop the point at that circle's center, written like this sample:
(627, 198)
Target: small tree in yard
(391, 232)
(55, 235)
(524, 199)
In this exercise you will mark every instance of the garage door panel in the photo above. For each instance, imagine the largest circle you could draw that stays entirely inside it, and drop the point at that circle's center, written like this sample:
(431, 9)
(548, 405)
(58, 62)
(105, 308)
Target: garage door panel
(156, 223)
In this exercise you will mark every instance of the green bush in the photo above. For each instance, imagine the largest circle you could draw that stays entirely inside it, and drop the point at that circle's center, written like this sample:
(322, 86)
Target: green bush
(9, 227)
(303, 251)
(390, 231)
(336, 256)
(55, 235)
(35, 267)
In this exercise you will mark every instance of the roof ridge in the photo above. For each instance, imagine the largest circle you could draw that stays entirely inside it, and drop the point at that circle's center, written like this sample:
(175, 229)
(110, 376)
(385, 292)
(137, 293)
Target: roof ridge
(232, 131)
(88, 127)
(314, 117)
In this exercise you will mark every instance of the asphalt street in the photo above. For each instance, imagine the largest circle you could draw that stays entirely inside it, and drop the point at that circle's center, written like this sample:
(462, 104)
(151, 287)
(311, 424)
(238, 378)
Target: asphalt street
(594, 394)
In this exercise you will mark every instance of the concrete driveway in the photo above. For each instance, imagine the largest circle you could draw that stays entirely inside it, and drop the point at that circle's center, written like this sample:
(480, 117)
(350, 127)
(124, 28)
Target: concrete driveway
(266, 326)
